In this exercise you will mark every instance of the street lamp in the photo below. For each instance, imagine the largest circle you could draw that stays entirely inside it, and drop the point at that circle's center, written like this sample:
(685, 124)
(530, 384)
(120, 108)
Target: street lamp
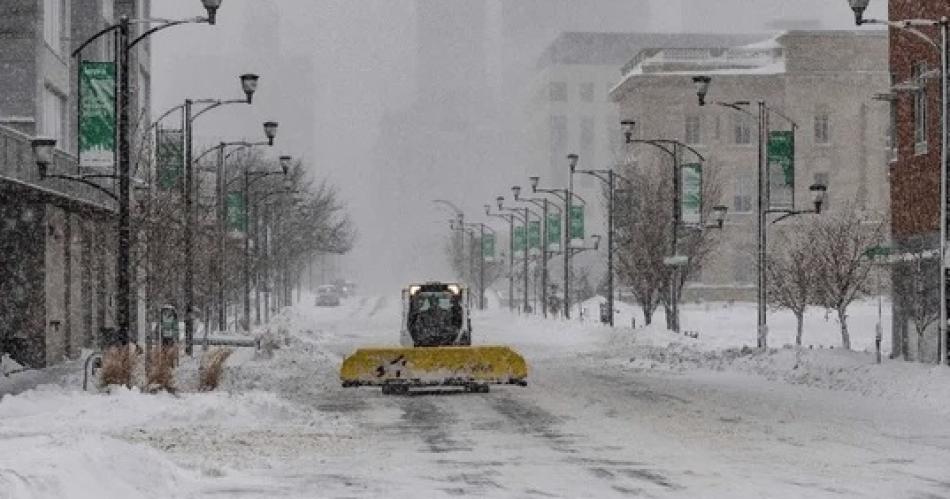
(524, 214)
(249, 85)
(43, 153)
(123, 173)
(510, 218)
(543, 204)
(270, 131)
(818, 192)
(859, 6)
(285, 163)
(566, 196)
(719, 215)
(212, 7)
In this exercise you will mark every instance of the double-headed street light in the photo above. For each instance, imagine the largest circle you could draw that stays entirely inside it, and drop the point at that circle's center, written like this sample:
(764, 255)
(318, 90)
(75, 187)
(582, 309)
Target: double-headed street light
(510, 218)
(525, 215)
(124, 170)
(544, 204)
(817, 190)
(943, 46)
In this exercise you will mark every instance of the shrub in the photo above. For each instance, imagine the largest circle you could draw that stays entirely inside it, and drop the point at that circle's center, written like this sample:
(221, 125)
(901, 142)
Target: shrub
(212, 366)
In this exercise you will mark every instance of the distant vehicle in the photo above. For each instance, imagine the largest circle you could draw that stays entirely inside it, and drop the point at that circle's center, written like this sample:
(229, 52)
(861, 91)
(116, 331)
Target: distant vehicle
(327, 296)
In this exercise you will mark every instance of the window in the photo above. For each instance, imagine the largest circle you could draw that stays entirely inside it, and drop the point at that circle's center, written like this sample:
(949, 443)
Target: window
(587, 92)
(822, 135)
(558, 141)
(920, 110)
(742, 201)
(53, 117)
(558, 91)
(587, 137)
(743, 129)
(53, 24)
(693, 135)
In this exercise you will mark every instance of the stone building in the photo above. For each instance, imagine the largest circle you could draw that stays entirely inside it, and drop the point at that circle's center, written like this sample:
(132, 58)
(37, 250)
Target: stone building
(824, 81)
(570, 111)
(56, 236)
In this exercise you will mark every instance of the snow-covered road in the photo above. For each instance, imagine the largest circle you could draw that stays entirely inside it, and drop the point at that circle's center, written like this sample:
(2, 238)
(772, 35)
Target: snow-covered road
(590, 424)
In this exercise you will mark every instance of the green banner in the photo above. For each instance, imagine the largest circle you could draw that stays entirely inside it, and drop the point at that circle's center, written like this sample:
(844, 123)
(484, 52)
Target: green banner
(519, 240)
(534, 235)
(97, 114)
(691, 193)
(554, 232)
(781, 170)
(170, 158)
(488, 247)
(237, 213)
(577, 222)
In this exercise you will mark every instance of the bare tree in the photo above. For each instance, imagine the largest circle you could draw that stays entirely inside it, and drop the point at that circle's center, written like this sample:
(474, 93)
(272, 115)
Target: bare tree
(791, 277)
(917, 289)
(839, 242)
(643, 224)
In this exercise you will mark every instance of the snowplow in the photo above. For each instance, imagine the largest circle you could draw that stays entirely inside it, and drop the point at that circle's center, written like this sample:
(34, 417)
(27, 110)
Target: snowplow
(435, 349)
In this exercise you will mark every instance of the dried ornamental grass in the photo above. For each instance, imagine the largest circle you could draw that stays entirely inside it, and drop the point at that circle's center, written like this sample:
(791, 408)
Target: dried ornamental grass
(117, 366)
(212, 367)
(161, 369)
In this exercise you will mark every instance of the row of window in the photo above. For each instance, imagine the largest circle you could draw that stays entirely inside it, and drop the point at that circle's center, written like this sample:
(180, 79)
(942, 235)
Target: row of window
(558, 92)
(742, 129)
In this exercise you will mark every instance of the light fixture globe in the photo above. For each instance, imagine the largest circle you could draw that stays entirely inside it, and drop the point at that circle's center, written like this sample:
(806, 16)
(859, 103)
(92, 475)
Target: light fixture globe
(285, 163)
(249, 85)
(516, 191)
(702, 87)
(572, 161)
(534, 183)
(43, 148)
(212, 7)
(859, 6)
(719, 214)
(628, 127)
(501, 202)
(819, 192)
(270, 131)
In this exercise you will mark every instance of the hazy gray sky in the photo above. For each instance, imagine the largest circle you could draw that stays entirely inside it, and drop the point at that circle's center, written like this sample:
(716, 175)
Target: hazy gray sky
(331, 69)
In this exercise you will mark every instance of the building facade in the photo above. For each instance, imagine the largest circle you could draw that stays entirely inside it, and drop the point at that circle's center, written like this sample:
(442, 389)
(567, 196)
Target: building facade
(915, 175)
(823, 81)
(571, 111)
(56, 236)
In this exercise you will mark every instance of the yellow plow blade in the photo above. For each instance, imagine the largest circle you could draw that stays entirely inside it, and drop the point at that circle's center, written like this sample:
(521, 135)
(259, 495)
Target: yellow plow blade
(434, 366)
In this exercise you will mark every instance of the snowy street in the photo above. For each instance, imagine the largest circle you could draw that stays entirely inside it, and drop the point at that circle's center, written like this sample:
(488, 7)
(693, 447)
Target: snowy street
(591, 423)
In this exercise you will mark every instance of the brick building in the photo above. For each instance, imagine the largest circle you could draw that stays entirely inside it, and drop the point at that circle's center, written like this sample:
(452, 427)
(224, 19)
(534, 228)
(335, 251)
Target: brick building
(825, 81)
(56, 237)
(915, 170)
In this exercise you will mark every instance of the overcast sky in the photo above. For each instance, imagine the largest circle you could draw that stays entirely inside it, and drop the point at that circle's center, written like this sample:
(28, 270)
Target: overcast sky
(330, 70)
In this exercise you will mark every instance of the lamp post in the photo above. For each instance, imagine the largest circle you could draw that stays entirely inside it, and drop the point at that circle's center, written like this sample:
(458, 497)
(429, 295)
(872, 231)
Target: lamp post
(123, 111)
(608, 177)
(566, 196)
(270, 129)
(524, 215)
(249, 86)
(481, 265)
(943, 46)
(544, 204)
(673, 148)
(510, 218)
(818, 192)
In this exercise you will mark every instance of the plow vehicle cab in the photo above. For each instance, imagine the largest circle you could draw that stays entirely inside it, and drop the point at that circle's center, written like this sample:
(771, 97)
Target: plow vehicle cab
(435, 348)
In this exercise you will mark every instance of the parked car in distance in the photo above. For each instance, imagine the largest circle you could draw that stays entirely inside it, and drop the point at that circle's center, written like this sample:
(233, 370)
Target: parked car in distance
(327, 296)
